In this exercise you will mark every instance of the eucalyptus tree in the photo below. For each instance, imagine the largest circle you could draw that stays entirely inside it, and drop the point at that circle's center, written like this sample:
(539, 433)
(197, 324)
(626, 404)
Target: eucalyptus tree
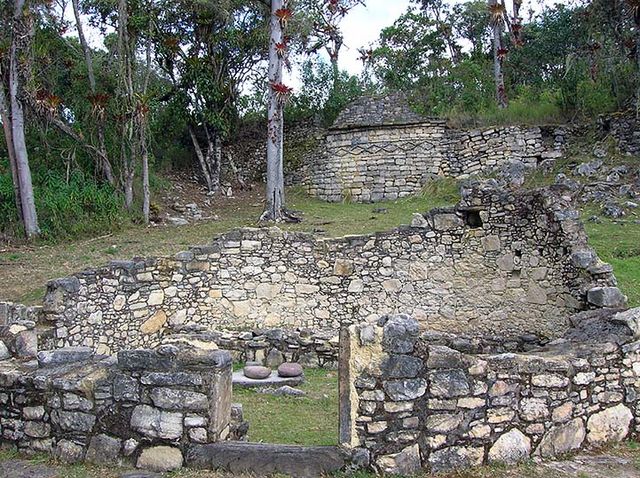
(18, 28)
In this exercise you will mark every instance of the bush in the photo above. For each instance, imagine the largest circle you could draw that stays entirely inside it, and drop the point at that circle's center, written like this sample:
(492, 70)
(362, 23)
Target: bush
(66, 209)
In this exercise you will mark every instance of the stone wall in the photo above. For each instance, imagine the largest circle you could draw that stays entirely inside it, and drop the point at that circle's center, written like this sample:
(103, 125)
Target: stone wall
(375, 163)
(147, 407)
(379, 149)
(272, 347)
(10, 313)
(500, 262)
(623, 128)
(418, 404)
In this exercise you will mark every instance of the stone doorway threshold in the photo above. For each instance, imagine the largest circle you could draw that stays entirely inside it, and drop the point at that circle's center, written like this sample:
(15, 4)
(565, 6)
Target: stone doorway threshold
(266, 459)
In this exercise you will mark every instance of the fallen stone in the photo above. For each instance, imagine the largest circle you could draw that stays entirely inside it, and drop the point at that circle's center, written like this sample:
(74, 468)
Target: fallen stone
(177, 221)
(4, 351)
(610, 297)
(160, 459)
(285, 390)
(266, 459)
(25, 469)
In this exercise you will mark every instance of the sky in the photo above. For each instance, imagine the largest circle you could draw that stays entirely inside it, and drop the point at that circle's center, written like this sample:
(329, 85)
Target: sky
(363, 24)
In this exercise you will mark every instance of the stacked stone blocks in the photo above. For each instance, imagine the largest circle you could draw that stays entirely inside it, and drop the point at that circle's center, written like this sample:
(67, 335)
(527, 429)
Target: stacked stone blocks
(420, 404)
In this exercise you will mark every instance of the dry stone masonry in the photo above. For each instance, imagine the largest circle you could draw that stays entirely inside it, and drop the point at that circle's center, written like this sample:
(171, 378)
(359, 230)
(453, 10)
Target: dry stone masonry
(485, 332)
(500, 262)
(416, 403)
(378, 149)
(143, 407)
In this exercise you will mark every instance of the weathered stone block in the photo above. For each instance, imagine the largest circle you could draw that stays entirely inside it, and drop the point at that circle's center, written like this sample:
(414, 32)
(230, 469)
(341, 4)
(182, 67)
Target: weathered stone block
(610, 425)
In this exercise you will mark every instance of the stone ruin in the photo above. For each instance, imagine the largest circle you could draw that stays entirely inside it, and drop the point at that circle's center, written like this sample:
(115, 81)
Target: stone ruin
(488, 331)
(379, 149)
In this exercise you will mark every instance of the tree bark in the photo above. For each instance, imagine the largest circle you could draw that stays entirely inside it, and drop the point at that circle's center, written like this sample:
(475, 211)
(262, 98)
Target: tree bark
(146, 191)
(275, 177)
(27, 200)
(501, 94)
(7, 128)
(201, 158)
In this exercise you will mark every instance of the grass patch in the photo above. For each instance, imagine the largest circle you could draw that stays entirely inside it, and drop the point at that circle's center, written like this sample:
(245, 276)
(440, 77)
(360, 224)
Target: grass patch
(617, 243)
(308, 420)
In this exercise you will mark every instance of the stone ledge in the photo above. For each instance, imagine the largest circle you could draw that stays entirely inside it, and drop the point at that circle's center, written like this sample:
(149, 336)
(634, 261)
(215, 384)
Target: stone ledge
(266, 459)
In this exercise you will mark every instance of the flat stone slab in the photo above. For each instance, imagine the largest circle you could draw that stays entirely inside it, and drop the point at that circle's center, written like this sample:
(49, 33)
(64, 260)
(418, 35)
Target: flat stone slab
(272, 381)
(24, 469)
(265, 459)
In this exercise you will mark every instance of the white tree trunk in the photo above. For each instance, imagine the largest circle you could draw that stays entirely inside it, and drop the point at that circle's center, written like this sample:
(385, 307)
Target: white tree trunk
(275, 125)
(27, 200)
(8, 137)
(201, 159)
(501, 94)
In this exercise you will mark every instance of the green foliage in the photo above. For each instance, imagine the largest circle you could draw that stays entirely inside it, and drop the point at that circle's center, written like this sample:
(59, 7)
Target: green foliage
(576, 61)
(318, 98)
(66, 209)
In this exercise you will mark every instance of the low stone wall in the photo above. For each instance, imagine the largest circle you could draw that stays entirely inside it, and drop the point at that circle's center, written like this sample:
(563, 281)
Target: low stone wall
(10, 313)
(147, 407)
(272, 347)
(500, 262)
(417, 405)
(378, 149)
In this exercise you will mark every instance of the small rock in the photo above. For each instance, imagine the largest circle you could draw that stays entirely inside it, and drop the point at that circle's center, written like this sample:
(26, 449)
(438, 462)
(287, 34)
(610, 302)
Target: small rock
(256, 372)
(4, 351)
(177, 221)
(588, 169)
(289, 369)
(286, 390)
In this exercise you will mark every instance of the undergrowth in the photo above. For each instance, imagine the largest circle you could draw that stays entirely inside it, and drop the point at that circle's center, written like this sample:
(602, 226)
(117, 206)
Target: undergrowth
(67, 208)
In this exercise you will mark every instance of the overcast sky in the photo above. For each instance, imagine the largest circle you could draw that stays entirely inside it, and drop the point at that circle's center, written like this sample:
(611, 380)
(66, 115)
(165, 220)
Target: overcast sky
(363, 24)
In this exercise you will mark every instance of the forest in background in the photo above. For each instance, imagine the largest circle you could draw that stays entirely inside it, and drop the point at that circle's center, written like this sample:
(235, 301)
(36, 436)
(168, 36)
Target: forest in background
(173, 82)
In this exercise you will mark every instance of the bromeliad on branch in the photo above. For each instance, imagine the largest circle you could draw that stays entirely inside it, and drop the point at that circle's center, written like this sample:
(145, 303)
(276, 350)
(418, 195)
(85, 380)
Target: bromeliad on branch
(497, 11)
(284, 14)
(281, 91)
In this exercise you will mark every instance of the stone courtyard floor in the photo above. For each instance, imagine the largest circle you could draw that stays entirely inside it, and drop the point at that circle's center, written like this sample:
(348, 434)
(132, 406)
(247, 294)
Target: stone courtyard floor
(622, 461)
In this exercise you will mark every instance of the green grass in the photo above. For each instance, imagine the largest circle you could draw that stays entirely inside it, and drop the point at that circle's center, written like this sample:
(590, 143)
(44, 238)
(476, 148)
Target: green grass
(618, 243)
(308, 420)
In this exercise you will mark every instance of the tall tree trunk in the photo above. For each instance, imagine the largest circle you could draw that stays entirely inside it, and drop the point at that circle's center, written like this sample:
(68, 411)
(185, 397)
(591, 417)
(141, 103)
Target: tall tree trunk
(146, 191)
(8, 137)
(275, 125)
(217, 161)
(637, 21)
(201, 158)
(501, 93)
(104, 164)
(27, 200)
